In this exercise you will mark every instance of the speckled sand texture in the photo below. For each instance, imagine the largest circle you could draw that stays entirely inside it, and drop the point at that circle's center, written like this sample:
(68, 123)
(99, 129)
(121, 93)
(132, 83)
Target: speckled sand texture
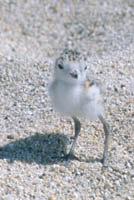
(32, 135)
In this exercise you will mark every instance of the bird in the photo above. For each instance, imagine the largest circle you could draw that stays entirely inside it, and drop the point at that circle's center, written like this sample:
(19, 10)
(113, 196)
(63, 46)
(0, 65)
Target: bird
(75, 93)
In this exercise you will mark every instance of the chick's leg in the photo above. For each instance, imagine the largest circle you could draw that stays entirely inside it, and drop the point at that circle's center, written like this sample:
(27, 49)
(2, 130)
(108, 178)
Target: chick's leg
(106, 142)
(77, 125)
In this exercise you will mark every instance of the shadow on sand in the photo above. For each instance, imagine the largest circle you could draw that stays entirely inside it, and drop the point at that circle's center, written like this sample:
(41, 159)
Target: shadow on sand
(39, 148)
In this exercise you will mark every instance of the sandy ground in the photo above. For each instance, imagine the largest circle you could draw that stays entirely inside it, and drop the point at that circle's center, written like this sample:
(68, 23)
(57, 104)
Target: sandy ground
(32, 135)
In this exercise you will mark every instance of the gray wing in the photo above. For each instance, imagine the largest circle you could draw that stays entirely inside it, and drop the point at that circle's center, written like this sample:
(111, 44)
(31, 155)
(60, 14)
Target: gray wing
(92, 80)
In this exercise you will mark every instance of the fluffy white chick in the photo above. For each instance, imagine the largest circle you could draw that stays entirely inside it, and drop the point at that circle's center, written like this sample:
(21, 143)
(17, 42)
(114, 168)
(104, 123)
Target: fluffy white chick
(75, 94)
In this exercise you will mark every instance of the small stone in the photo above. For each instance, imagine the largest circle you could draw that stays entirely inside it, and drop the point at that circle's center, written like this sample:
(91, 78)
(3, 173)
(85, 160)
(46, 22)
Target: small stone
(122, 85)
(11, 137)
(50, 198)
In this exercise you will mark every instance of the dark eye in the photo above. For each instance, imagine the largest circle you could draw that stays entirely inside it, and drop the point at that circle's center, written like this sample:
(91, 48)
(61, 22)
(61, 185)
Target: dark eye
(60, 66)
(85, 68)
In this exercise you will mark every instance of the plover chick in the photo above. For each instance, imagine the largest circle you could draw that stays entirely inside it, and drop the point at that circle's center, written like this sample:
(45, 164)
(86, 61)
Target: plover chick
(74, 94)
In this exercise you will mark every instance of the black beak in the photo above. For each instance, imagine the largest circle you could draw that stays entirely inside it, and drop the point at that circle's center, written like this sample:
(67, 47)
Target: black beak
(74, 74)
